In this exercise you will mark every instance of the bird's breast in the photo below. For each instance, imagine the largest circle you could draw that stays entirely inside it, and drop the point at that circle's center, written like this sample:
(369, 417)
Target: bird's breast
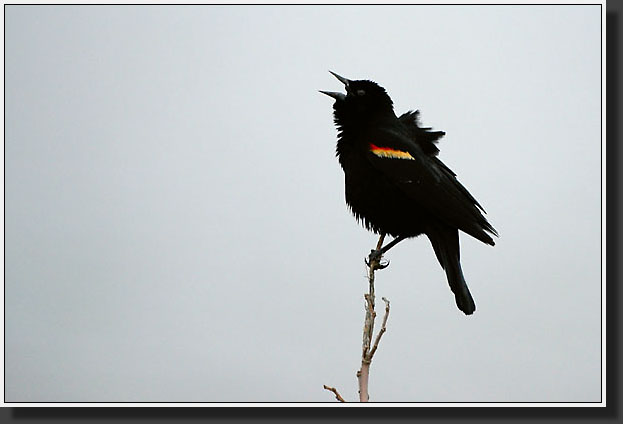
(375, 201)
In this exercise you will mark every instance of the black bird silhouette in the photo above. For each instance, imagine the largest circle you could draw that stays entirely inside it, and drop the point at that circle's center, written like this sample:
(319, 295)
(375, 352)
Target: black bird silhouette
(396, 184)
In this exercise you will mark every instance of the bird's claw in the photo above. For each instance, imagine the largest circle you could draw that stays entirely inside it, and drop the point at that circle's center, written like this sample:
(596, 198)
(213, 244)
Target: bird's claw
(382, 264)
(376, 256)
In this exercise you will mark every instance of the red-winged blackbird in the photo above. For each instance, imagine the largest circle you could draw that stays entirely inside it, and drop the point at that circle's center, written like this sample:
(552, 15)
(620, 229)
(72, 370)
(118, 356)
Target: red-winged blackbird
(396, 185)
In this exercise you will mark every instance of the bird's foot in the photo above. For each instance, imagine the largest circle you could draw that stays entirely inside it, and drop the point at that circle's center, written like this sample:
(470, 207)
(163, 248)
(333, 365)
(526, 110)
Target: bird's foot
(376, 259)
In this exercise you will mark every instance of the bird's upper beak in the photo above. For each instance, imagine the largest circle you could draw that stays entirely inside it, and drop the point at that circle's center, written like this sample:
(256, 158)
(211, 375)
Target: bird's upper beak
(334, 94)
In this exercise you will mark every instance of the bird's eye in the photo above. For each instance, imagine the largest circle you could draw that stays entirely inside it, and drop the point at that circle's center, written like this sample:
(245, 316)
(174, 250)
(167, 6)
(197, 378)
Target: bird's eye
(361, 92)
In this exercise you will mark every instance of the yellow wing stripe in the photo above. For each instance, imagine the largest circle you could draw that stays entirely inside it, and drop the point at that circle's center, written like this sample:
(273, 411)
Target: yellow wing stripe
(388, 152)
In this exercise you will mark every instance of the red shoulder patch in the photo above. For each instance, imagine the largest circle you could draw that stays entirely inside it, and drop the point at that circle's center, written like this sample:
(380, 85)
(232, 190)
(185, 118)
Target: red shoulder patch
(388, 152)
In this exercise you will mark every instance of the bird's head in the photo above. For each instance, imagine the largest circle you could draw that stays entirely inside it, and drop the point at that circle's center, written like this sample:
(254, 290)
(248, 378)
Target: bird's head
(364, 101)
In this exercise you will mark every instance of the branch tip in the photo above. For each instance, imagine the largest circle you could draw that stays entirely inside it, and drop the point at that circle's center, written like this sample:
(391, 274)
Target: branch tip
(335, 392)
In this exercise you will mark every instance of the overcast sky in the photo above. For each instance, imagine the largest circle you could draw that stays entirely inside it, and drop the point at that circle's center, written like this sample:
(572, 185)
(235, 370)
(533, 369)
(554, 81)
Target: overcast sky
(175, 220)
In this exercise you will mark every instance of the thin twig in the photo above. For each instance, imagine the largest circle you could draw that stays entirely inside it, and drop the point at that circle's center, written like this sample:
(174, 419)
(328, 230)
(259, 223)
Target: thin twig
(382, 330)
(334, 390)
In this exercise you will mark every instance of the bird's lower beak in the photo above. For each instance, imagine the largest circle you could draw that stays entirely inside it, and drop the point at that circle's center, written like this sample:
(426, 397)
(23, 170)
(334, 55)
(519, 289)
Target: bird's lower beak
(334, 94)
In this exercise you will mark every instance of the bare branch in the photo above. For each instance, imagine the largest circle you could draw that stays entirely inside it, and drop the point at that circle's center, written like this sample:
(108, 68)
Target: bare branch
(368, 326)
(334, 390)
(363, 374)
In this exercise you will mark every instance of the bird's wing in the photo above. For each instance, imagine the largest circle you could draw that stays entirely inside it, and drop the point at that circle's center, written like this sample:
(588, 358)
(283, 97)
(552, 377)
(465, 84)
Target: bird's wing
(423, 136)
(428, 182)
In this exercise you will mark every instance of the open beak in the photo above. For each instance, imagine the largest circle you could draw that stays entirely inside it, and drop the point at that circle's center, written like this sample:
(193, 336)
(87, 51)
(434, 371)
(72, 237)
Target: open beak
(334, 94)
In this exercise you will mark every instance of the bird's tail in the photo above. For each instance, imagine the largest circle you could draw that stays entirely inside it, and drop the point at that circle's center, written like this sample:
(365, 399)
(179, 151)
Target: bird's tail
(446, 245)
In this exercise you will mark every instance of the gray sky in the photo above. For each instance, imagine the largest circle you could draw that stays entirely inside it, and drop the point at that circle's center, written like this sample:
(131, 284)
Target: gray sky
(175, 220)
